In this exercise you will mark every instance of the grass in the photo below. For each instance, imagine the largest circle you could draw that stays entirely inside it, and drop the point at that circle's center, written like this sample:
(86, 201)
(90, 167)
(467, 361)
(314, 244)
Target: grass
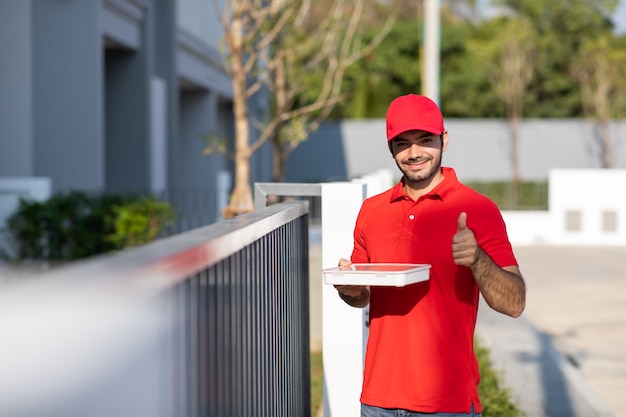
(495, 398)
(317, 388)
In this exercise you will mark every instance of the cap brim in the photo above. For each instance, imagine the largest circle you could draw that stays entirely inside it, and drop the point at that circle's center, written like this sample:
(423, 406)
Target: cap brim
(416, 126)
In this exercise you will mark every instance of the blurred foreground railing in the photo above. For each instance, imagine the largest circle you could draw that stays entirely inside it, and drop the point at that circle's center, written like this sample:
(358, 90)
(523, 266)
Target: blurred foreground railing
(210, 322)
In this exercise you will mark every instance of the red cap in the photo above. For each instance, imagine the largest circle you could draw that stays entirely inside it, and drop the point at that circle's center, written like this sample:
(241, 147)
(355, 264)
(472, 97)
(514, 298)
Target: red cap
(413, 112)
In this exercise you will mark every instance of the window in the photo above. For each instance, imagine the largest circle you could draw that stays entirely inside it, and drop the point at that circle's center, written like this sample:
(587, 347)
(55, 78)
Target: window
(573, 221)
(609, 221)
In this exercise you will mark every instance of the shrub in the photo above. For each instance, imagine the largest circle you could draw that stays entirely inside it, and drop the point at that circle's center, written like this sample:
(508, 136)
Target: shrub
(77, 225)
(138, 222)
(522, 195)
(495, 398)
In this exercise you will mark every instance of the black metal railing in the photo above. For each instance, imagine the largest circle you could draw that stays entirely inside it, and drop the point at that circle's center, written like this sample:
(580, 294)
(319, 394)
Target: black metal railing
(244, 324)
(212, 322)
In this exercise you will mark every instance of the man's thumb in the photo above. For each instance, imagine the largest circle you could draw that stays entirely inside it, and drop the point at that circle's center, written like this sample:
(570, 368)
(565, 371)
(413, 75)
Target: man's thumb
(462, 221)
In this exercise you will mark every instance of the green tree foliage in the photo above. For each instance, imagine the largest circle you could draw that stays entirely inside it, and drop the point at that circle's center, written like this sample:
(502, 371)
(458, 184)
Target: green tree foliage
(391, 70)
(465, 89)
(561, 26)
(600, 72)
(560, 31)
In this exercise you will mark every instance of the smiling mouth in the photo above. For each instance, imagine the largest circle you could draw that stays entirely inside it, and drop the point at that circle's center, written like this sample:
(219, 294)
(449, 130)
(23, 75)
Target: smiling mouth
(416, 163)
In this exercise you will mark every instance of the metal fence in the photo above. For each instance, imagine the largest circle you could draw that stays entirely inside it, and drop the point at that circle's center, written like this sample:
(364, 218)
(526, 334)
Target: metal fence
(212, 322)
(194, 208)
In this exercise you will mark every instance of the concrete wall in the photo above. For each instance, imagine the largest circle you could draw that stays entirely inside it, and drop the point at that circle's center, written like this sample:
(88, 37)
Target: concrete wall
(478, 149)
(16, 90)
(67, 94)
(587, 207)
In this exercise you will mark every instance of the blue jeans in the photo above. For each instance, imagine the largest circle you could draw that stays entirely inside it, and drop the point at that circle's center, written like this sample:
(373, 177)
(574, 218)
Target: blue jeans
(369, 411)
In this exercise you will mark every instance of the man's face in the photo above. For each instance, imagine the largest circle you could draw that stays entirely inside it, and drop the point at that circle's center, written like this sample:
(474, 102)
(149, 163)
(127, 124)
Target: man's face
(418, 154)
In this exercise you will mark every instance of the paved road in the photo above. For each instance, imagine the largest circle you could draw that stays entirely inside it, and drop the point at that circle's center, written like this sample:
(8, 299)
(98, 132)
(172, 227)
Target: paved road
(577, 299)
(566, 355)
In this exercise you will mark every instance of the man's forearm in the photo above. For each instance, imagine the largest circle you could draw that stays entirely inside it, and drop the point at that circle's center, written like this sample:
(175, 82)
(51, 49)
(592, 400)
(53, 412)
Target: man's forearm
(503, 290)
(359, 301)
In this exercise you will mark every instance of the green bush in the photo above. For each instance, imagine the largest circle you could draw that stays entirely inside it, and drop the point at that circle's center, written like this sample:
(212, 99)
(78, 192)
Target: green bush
(523, 195)
(495, 398)
(138, 222)
(77, 225)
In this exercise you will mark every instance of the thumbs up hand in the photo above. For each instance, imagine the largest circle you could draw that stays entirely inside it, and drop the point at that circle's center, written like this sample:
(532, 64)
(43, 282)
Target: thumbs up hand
(465, 249)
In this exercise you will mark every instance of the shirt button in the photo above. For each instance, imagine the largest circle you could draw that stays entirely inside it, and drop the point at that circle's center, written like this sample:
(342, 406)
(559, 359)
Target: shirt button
(411, 216)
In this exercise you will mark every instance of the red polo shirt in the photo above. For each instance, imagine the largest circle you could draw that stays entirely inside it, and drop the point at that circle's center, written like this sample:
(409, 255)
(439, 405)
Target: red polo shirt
(420, 353)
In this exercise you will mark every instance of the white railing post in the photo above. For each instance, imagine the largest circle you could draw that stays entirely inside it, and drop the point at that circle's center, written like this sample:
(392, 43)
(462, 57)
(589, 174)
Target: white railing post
(344, 329)
(343, 336)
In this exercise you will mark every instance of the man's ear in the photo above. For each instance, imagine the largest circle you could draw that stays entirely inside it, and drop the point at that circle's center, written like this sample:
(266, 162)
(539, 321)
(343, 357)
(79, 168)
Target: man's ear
(444, 141)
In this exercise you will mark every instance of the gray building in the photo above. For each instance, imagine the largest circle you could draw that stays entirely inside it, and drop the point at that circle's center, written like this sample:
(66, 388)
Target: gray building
(115, 96)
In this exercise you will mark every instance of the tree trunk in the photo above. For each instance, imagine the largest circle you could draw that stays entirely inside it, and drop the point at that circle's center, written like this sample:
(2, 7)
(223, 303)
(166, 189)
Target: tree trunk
(280, 95)
(278, 162)
(514, 127)
(241, 200)
(605, 144)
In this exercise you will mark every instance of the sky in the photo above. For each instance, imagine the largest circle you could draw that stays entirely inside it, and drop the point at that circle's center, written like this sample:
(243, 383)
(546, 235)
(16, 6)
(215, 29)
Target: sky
(620, 16)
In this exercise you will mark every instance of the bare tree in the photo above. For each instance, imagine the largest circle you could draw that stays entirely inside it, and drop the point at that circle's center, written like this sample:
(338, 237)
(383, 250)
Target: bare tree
(600, 71)
(327, 45)
(240, 21)
(510, 74)
(271, 47)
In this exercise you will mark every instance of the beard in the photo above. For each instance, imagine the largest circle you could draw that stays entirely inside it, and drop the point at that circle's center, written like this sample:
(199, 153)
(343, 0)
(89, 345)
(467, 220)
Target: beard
(424, 175)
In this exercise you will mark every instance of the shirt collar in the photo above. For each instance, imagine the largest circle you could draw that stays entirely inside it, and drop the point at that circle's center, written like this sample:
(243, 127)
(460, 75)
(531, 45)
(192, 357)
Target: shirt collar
(443, 190)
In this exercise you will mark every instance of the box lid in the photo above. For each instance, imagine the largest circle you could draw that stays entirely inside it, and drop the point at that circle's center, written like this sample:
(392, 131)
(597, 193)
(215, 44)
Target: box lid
(379, 274)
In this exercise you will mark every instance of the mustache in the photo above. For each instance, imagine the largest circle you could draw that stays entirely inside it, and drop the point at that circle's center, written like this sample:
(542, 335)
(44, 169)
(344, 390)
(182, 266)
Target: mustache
(416, 160)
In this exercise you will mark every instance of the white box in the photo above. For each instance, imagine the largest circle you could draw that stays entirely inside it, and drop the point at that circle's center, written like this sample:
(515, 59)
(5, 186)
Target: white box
(379, 274)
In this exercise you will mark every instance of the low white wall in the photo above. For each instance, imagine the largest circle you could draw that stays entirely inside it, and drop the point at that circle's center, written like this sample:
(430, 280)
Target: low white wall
(527, 227)
(586, 207)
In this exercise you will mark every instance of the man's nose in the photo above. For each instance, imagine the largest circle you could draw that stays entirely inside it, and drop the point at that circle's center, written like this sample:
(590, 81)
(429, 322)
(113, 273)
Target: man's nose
(415, 150)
